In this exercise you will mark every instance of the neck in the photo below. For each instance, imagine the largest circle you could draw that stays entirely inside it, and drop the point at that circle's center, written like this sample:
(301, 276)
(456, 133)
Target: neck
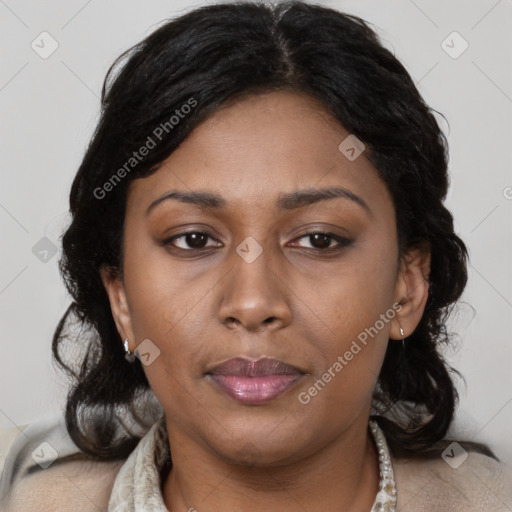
(343, 475)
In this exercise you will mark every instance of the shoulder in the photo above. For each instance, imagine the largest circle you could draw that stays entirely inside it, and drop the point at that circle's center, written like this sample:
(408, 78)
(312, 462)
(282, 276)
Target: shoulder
(459, 483)
(77, 485)
(44, 470)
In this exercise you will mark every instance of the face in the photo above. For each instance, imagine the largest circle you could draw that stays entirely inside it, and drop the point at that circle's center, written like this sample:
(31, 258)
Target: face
(258, 270)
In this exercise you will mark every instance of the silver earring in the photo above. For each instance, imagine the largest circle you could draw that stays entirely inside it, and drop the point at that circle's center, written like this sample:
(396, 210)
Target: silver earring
(403, 340)
(129, 356)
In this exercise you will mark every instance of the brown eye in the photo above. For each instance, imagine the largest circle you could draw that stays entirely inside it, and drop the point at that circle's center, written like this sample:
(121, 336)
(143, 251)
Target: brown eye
(190, 240)
(322, 241)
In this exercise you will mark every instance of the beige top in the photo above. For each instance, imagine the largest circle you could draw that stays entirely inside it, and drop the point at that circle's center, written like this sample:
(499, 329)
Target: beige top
(479, 483)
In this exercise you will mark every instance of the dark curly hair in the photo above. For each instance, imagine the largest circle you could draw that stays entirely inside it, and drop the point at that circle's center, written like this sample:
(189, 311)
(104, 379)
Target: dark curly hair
(215, 55)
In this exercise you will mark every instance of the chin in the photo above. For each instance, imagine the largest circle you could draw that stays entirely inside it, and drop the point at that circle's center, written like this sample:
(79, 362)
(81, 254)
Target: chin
(258, 449)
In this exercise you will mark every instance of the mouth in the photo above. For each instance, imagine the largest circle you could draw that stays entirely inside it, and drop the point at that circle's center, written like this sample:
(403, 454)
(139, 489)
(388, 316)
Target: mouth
(254, 382)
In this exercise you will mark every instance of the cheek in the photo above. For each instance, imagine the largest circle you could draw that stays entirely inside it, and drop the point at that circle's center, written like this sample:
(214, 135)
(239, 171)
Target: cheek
(353, 295)
(167, 312)
(171, 310)
(349, 333)
(157, 294)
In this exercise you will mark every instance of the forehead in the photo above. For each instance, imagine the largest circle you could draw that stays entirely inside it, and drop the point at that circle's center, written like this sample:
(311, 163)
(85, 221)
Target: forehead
(259, 148)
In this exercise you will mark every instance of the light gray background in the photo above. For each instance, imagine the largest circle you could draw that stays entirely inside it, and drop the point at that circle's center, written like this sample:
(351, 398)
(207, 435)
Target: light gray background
(49, 108)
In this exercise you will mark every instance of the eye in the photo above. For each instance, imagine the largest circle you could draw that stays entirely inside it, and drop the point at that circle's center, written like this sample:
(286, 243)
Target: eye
(190, 240)
(197, 240)
(322, 241)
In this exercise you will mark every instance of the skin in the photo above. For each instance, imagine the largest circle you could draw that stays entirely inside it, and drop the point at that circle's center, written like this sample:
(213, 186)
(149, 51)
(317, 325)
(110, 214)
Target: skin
(293, 302)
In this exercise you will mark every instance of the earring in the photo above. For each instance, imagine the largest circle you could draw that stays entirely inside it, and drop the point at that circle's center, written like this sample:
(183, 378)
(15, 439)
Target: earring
(403, 340)
(129, 356)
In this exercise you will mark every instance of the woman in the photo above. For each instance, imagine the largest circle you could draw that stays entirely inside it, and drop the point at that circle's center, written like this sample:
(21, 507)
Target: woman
(259, 242)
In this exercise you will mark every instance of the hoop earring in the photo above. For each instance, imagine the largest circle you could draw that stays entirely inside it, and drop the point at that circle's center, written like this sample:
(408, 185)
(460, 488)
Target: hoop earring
(129, 356)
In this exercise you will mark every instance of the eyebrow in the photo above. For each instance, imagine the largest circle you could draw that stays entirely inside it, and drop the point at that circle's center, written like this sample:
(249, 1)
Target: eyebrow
(288, 201)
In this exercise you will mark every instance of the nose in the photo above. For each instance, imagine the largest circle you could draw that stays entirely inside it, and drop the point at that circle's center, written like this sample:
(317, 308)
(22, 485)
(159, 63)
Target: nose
(255, 295)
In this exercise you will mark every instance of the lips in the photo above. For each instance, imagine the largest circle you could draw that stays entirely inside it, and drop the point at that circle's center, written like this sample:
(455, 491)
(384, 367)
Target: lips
(254, 382)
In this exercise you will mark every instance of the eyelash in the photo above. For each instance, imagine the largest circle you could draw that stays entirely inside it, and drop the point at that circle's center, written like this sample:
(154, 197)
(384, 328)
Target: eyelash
(343, 242)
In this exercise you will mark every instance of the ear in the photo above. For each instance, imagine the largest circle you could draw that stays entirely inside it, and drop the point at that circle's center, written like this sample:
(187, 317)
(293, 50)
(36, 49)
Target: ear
(114, 286)
(411, 291)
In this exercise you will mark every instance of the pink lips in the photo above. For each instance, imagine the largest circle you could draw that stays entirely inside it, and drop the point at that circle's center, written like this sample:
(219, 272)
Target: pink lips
(254, 382)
